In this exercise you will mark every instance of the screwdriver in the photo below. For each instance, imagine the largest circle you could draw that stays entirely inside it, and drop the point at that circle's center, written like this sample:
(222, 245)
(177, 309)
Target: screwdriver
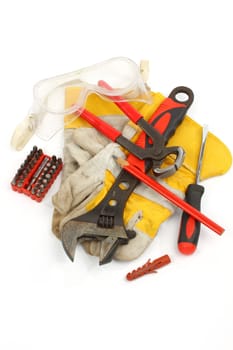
(189, 227)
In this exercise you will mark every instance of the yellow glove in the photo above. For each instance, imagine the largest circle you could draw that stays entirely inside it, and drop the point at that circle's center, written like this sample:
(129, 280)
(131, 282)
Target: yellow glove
(70, 202)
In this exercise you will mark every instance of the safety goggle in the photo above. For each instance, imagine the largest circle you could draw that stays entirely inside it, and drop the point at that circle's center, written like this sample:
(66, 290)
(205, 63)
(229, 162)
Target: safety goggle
(46, 116)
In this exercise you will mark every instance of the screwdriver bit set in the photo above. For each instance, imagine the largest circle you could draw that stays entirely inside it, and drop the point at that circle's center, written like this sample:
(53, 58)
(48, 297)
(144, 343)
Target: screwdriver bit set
(36, 174)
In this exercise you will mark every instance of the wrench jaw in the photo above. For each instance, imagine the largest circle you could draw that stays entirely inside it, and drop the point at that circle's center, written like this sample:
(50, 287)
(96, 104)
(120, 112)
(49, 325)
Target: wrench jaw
(69, 239)
(110, 238)
(71, 233)
(109, 245)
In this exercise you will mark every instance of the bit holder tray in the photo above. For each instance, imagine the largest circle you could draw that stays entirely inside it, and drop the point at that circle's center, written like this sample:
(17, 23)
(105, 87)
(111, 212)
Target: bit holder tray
(36, 174)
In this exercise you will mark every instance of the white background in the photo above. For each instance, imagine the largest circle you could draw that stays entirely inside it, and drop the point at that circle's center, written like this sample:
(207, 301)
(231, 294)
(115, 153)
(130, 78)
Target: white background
(46, 302)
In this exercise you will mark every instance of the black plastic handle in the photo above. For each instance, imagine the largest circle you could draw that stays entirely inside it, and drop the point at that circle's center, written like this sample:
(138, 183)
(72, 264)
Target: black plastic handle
(189, 227)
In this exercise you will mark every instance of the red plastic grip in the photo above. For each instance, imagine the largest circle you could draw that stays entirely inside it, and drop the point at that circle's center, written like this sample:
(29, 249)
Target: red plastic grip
(186, 248)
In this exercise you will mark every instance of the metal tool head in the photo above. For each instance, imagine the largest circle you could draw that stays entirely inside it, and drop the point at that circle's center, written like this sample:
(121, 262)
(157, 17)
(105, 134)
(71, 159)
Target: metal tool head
(74, 231)
(201, 153)
(108, 247)
(169, 170)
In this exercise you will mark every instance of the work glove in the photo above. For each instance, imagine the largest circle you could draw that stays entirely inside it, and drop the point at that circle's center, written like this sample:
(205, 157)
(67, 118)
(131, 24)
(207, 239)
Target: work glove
(81, 144)
(90, 171)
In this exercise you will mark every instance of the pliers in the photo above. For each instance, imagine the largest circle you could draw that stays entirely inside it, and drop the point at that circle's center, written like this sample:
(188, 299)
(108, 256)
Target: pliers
(153, 149)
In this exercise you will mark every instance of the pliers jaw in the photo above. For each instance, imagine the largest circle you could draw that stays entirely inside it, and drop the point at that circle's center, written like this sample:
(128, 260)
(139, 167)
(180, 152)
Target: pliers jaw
(169, 170)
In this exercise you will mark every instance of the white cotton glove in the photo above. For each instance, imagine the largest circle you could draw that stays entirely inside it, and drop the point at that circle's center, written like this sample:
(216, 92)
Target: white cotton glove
(81, 148)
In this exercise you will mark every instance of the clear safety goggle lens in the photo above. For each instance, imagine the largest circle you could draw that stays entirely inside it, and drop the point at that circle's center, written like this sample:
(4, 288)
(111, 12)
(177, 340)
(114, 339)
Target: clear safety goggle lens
(51, 104)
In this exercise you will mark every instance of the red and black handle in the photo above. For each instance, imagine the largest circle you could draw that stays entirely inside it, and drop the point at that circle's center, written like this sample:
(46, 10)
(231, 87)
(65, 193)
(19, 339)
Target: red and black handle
(190, 227)
(165, 120)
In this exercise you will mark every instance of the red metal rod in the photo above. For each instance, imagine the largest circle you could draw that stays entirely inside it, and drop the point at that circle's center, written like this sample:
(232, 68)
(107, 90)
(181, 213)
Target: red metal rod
(171, 196)
(124, 106)
(100, 125)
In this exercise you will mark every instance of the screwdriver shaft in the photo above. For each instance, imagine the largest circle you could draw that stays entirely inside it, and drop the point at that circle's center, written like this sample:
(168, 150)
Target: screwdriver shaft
(201, 153)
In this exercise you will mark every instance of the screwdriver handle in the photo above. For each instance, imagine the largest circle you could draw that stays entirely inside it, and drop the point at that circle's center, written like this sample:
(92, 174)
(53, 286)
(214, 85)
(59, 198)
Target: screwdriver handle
(189, 227)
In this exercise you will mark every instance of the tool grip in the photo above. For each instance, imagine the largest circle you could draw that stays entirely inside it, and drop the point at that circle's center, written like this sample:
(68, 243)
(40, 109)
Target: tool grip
(166, 119)
(172, 111)
(190, 227)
